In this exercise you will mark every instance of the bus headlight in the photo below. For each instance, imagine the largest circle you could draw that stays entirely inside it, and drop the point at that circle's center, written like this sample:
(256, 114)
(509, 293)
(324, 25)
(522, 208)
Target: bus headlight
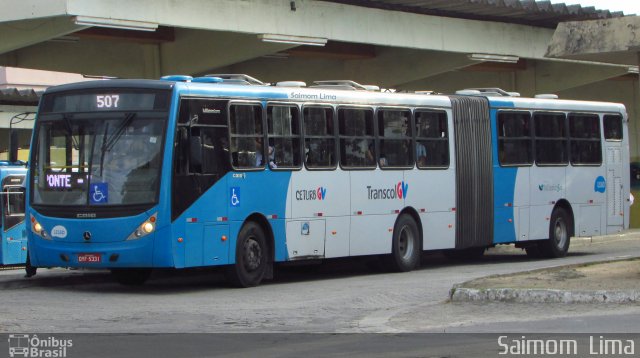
(38, 229)
(145, 228)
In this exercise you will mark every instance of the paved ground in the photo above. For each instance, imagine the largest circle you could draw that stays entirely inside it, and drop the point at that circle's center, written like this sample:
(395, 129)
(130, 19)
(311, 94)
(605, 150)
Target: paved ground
(343, 296)
(609, 281)
(609, 275)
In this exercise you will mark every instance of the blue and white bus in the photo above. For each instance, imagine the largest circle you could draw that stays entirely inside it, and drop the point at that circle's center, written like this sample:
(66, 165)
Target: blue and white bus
(223, 170)
(13, 249)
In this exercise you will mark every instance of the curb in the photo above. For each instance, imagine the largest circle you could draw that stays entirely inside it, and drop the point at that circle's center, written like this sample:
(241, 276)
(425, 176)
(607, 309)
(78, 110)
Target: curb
(513, 295)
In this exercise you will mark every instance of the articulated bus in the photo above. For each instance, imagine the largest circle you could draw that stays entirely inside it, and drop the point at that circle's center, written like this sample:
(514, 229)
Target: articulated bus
(223, 170)
(13, 248)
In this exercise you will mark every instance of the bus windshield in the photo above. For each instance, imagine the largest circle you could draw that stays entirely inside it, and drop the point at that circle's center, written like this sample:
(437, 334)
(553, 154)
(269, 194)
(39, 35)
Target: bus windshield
(102, 159)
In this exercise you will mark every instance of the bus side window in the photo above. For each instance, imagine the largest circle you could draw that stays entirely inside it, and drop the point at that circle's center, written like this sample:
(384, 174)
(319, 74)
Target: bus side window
(283, 123)
(514, 138)
(319, 137)
(246, 134)
(357, 141)
(13, 207)
(584, 133)
(612, 124)
(395, 138)
(551, 138)
(201, 138)
(432, 139)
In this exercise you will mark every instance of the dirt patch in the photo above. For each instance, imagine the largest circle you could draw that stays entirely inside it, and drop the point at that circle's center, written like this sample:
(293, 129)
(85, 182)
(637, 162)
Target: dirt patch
(612, 275)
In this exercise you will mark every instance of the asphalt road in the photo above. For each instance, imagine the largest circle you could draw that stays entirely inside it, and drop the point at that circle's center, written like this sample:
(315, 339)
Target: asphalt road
(340, 296)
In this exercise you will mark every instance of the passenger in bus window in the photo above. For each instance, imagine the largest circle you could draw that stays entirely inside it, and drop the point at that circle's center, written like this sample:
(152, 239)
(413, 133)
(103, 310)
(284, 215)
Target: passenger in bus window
(382, 161)
(259, 157)
(258, 162)
(421, 154)
(272, 157)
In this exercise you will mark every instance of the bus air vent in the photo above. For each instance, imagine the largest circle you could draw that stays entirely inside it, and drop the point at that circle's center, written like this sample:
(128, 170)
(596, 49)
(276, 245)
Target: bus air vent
(546, 96)
(468, 93)
(207, 79)
(291, 84)
(489, 92)
(237, 79)
(177, 78)
(344, 85)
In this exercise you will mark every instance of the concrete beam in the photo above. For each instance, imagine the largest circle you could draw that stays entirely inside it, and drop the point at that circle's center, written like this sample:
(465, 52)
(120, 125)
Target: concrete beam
(391, 68)
(100, 58)
(312, 18)
(25, 10)
(554, 76)
(19, 34)
(395, 67)
(613, 40)
(457, 80)
(200, 52)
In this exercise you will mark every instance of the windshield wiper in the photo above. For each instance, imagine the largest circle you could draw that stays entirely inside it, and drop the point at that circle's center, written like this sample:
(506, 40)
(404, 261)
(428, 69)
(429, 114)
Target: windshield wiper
(67, 123)
(103, 147)
(108, 143)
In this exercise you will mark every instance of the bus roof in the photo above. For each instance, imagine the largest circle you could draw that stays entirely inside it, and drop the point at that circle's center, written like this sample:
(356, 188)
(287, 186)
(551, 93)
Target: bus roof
(334, 95)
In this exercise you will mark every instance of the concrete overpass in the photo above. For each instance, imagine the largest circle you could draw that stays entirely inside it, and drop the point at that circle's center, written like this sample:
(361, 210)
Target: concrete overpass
(428, 45)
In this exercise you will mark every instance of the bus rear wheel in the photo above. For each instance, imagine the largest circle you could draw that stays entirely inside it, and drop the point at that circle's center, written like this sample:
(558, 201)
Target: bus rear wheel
(131, 277)
(560, 232)
(405, 247)
(251, 257)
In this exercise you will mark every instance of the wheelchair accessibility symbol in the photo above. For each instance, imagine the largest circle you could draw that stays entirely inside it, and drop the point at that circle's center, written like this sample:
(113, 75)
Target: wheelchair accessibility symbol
(99, 193)
(235, 196)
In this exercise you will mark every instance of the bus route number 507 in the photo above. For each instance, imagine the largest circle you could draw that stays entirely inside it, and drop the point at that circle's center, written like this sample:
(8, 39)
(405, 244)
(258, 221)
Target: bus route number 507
(107, 101)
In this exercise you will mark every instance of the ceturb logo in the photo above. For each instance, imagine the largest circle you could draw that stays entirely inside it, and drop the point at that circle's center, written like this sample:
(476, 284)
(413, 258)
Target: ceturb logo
(313, 194)
(398, 192)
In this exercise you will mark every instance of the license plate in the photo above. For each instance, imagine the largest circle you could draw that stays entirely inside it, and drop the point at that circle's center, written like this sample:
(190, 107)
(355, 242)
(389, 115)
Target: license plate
(89, 258)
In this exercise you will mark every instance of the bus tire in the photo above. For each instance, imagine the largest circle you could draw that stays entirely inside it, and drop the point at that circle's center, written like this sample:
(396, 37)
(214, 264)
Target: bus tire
(405, 247)
(252, 257)
(132, 276)
(560, 232)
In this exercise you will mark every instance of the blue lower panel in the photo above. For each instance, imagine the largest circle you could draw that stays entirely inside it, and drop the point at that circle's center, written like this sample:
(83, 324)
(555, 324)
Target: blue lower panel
(134, 253)
(13, 246)
(504, 229)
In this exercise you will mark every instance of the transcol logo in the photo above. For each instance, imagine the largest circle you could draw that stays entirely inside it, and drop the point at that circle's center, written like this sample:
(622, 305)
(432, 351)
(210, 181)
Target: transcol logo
(398, 192)
(313, 194)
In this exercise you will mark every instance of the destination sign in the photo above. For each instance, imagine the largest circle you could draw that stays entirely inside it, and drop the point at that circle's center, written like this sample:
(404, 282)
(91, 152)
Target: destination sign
(65, 181)
(106, 101)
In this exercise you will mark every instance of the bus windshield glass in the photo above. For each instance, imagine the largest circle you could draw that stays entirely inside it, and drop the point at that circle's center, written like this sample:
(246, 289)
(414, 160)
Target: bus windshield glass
(98, 159)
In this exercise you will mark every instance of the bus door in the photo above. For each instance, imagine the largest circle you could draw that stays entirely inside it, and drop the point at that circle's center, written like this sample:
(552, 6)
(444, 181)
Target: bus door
(613, 133)
(319, 196)
(14, 239)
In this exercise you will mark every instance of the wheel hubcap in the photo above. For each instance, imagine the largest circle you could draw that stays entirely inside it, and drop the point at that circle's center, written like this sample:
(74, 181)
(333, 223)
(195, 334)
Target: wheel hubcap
(252, 254)
(406, 243)
(560, 231)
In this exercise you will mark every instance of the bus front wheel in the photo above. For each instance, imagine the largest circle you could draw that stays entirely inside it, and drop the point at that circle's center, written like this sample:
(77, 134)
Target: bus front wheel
(405, 249)
(251, 257)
